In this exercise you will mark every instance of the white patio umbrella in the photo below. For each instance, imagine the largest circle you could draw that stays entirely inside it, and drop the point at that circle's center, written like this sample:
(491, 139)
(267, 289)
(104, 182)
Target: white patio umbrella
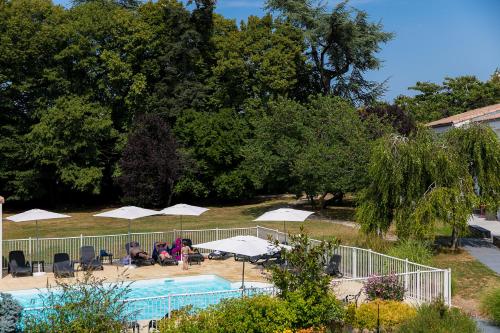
(128, 213)
(243, 245)
(285, 215)
(36, 215)
(183, 210)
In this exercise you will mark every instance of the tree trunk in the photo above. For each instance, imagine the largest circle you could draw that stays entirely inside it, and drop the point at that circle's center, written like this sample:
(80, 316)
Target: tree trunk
(322, 202)
(170, 193)
(454, 238)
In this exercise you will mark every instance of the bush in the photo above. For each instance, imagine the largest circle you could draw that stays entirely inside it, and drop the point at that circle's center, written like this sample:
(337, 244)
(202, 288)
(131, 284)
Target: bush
(392, 314)
(413, 250)
(249, 314)
(438, 318)
(10, 311)
(384, 287)
(85, 306)
(491, 305)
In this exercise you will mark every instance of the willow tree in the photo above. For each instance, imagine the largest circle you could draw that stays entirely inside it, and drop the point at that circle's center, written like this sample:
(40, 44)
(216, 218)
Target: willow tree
(415, 183)
(479, 147)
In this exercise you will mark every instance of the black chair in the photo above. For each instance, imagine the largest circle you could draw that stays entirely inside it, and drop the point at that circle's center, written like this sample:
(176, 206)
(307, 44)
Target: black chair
(63, 266)
(195, 258)
(18, 264)
(88, 260)
(158, 248)
(137, 259)
(218, 255)
(333, 267)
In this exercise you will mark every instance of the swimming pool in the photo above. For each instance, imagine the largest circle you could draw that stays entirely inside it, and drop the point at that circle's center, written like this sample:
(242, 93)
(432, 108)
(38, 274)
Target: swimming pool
(149, 299)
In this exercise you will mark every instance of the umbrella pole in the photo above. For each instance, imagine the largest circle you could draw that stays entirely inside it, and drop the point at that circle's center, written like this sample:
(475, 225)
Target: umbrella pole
(181, 228)
(129, 249)
(243, 277)
(38, 246)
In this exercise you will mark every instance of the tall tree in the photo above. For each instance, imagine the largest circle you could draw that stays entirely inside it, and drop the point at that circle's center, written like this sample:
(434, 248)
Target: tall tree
(453, 96)
(341, 45)
(150, 164)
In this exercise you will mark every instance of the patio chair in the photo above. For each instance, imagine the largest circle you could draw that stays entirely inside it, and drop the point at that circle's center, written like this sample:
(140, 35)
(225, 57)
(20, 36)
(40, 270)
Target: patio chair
(63, 266)
(139, 257)
(18, 264)
(332, 268)
(158, 248)
(88, 260)
(218, 255)
(196, 257)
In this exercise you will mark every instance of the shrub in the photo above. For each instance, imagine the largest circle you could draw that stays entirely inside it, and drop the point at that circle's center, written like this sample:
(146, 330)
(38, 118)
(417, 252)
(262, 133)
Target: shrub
(85, 306)
(305, 285)
(438, 318)
(491, 305)
(392, 314)
(10, 311)
(249, 314)
(413, 250)
(384, 287)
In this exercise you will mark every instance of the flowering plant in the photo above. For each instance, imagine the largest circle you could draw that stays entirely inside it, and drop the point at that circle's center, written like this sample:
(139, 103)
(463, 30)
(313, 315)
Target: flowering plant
(384, 287)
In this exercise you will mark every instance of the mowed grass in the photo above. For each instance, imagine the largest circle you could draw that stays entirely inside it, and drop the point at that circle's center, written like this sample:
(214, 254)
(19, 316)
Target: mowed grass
(471, 280)
(83, 222)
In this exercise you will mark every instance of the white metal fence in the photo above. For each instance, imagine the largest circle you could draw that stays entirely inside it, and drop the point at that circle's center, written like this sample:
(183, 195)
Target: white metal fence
(422, 283)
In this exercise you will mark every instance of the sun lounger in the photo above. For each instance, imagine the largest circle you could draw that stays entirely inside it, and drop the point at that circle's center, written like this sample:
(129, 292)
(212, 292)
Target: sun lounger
(88, 260)
(18, 264)
(158, 248)
(333, 267)
(218, 255)
(138, 256)
(196, 258)
(63, 266)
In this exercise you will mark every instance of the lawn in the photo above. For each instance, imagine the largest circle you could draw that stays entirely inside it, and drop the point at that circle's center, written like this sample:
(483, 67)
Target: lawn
(82, 222)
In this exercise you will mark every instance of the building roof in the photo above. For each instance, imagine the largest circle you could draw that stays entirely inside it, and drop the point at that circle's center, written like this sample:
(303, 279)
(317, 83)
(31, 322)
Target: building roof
(486, 113)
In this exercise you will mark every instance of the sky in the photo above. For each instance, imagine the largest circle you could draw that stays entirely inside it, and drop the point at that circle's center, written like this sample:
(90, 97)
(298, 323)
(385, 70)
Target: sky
(433, 39)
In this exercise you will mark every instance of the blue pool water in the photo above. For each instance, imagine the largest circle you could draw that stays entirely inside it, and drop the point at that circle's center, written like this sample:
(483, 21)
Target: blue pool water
(148, 299)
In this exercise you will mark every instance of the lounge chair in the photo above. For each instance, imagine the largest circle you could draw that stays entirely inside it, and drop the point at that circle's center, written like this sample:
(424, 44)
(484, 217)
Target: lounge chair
(158, 248)
(138, 256)
(196, 257)
(88, 260)
(218, 255)
(63, 266)
(18, 264)
(332, 268)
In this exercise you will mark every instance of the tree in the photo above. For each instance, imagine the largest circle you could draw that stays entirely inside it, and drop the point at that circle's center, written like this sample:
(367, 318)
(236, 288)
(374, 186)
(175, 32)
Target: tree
(414, 183)
(341, 46)
(73, 144)
(479, 148)
(401, 121)
(453, 96)
(150, 164)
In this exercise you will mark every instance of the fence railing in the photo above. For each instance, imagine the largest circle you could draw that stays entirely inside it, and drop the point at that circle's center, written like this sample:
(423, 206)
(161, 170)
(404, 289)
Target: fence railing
(157, 307)
(423, 283)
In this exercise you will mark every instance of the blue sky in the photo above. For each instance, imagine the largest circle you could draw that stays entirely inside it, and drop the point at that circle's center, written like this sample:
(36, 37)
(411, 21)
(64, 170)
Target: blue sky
(434, 38)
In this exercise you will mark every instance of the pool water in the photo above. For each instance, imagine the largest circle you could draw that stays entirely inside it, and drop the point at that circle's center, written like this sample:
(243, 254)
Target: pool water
(148, 299)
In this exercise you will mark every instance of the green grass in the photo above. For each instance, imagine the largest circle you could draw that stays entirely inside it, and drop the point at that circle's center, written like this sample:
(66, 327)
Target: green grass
(82, 222)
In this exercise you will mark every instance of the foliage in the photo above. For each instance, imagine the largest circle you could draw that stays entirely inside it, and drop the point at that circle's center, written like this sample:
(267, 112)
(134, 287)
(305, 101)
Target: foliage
(416, 182)
(453, 96)
(248, 314)
(439, 318)
(342, 45)
(491, 305)
(304, 284)
(414, 250)
(384, 287)
(401, 121)
(88, 305)
(392, 314)
(318, 148)
(479, 147)
(10, 312)
(150, 163)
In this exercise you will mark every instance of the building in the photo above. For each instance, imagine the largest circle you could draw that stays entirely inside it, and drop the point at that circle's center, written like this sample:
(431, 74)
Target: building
(488, 114)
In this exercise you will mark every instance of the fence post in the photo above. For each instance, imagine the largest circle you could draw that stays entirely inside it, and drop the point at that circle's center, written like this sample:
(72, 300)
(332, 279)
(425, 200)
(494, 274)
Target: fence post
(217, 233)
(370, 269)
(81, 240)
(406, 274)
(418, 286)
(448, 285)
(257, 231)
(354, 263)
(169, 307)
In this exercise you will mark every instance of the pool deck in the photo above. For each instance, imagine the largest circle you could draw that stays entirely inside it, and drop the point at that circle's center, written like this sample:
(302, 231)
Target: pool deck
(228, 269)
